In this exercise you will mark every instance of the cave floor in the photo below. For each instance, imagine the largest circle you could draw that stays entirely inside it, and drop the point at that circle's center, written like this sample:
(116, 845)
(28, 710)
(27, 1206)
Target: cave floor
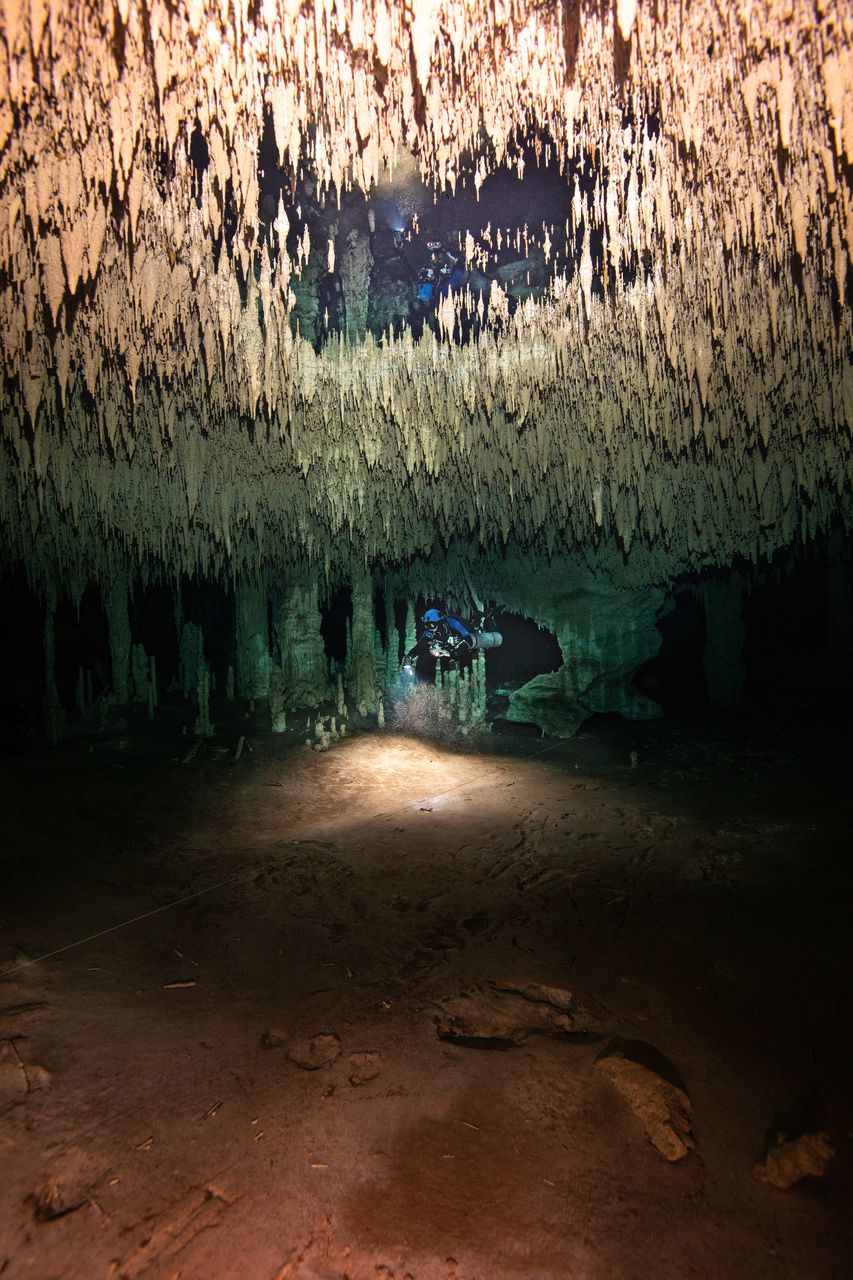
(696, 898)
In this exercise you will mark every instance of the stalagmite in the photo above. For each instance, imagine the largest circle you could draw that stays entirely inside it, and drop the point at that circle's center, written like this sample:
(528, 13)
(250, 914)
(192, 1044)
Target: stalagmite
(191, 655)
(252, 642)
(392, 638)
(277, 699)
(361, 673)
(296, 623)
(463, 694)
(411, 634)
(202, 727)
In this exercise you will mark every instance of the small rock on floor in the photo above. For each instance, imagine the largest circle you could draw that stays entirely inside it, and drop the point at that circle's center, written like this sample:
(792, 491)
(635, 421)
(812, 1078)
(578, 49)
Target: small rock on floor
(320, 1051)
(55, 1200)
(539, 993)
(502, 1016)
(364, 1067)
(661, 1106)
(803, 1157)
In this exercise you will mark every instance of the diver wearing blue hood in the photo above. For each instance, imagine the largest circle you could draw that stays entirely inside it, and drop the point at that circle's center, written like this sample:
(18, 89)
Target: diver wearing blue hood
(446, 637)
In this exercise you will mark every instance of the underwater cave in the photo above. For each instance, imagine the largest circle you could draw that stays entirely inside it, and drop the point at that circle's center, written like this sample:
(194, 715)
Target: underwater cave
(426, 660)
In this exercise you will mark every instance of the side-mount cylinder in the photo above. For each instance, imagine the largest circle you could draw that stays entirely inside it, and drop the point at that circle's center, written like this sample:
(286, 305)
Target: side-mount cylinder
(487, 639)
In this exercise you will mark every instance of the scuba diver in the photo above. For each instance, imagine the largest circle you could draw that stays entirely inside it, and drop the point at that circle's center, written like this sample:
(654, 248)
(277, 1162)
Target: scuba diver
(446, 637)
(440, 275)
(426, 282)
(446, 267)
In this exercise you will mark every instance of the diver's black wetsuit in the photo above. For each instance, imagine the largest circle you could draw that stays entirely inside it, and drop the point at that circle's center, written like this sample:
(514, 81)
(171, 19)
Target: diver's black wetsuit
(444, 638)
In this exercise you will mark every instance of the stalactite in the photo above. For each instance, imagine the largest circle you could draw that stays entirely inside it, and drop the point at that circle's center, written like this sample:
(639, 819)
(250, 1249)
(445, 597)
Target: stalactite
(379, 660)
(162, 396)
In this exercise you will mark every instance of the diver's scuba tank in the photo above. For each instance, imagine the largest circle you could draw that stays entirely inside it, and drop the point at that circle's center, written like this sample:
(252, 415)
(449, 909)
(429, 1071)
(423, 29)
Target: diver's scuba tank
(487, 639)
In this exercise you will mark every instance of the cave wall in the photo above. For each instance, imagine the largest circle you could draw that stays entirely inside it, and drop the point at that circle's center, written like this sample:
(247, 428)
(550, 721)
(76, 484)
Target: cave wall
(605, 632)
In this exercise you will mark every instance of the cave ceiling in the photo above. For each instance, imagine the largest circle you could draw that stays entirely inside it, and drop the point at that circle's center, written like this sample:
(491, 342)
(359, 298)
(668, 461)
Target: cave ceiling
(214, 220)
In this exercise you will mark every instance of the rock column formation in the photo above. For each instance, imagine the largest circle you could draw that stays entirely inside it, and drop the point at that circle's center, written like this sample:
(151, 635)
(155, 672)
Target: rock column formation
(392, 640)
(253, 647)
(361, 674)
(303, 658)
(192, 661)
